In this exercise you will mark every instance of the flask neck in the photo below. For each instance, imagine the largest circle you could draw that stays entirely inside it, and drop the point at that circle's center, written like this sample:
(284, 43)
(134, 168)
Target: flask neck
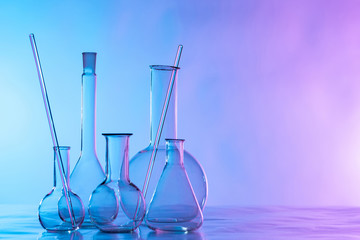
(175, 152)
(117, 157)
(64, 155)
(160, 79)
(88, 114)
(88, 100)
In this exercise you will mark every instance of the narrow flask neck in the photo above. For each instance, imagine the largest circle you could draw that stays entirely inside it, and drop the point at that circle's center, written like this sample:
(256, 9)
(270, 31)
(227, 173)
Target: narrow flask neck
(88, 114)
(117, 157)
(88, 100)
(64, 156)
(175, 152)
(160, 79)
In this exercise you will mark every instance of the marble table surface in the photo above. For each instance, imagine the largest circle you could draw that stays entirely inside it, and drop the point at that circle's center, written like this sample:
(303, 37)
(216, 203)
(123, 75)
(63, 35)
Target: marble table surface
(250, 223)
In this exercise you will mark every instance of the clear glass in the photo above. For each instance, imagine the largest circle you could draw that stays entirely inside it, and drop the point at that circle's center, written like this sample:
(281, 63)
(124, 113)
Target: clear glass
(173, 206)
(88, 173)
(117, 205)
(160, 78)
(53, 210)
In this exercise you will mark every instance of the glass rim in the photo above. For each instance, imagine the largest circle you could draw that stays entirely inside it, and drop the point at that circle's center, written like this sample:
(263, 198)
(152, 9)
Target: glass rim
(89, 53)
(61, 147)
(117, 134)
(175, 139)
(163, 67)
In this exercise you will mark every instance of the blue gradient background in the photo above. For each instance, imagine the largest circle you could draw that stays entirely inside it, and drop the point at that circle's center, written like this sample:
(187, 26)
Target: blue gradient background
(268, 91)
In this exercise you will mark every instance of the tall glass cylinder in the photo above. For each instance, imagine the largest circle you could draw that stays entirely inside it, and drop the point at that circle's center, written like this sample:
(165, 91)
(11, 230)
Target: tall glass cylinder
(88, 173)
(54, 209)
(160, 78)
(117, 205)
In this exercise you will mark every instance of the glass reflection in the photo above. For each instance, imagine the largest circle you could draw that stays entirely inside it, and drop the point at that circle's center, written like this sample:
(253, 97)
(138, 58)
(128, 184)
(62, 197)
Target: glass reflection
(175, 235)
(75, 235)
(117, 236)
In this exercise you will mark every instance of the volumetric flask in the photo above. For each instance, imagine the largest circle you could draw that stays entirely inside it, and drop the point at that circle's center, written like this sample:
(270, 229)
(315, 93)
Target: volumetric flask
(88, 173)
(173, 206)
(117, 205)
(160, 78)
(53, 209)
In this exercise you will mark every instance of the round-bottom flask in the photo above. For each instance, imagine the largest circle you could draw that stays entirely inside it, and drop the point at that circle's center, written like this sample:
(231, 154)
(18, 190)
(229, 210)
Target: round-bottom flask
(53, 209)
(117, 205)
(160, 78)
(173, 206)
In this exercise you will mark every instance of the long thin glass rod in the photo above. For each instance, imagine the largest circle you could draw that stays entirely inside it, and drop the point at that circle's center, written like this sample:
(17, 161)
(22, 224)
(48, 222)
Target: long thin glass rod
(162, 120)
(52, 129)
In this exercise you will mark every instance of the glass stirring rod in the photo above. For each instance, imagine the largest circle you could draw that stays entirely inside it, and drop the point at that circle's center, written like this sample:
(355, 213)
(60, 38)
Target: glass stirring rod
(162, 120)
(52, 128)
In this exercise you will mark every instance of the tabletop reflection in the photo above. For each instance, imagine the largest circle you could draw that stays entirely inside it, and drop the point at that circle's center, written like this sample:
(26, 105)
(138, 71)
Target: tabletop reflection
(117, 236)
(74, 235)
(175, 235)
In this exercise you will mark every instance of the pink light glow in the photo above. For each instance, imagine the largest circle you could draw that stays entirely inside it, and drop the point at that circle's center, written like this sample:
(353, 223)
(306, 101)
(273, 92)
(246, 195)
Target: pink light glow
(268, 91)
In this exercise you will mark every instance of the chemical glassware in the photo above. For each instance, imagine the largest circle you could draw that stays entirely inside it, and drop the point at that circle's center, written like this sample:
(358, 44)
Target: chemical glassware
(88, 173)
(53, 209)
(162, 120)
(160, 77)
(173, 206)
(117, 205)
(64, 179)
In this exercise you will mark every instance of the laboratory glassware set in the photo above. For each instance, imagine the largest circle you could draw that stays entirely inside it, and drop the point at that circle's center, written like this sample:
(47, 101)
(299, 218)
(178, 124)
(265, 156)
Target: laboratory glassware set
(163, 186)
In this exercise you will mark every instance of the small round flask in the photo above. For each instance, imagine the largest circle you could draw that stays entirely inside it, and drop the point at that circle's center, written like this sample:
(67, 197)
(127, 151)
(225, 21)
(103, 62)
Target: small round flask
(117, 205)
(53, 209)
(160, 78)
(173, 206)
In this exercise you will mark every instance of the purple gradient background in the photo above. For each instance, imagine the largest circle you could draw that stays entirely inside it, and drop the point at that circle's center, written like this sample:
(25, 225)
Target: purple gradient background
(268, 91)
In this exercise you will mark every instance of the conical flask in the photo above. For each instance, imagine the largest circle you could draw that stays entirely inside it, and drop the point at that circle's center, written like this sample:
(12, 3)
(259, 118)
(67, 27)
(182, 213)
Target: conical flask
(160, 78)
(88, 173)
(173, 206)
(117, 205)
(53, 209)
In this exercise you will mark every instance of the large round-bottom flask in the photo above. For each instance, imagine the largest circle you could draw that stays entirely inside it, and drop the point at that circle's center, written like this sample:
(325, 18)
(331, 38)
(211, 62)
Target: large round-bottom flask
(160, 78)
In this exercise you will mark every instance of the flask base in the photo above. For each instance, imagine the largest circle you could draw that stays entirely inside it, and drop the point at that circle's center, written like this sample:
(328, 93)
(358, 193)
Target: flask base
(172, 226)
(87, 224)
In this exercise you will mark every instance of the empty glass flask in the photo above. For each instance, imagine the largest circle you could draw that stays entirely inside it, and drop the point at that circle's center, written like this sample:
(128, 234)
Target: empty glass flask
(117, 205)
(53, 209)
(88, 173)
(173, 206)
(160, 78)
